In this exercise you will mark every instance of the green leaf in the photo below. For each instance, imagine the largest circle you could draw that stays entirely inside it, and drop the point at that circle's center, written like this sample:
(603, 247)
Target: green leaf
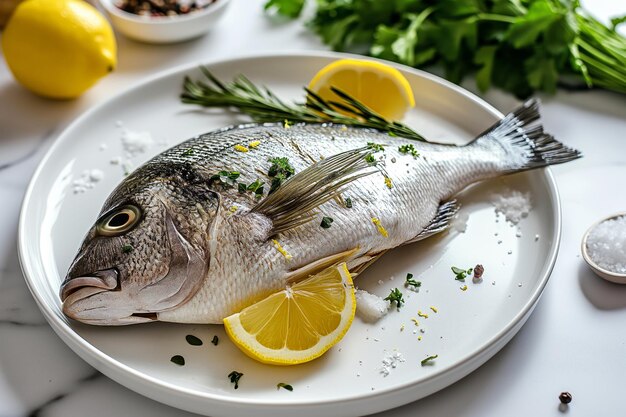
(193, 340)
(453, 33)
(616, 21)
(288, 8)
(527, 28)
(541, 73)
(485, 57)
(178, 360)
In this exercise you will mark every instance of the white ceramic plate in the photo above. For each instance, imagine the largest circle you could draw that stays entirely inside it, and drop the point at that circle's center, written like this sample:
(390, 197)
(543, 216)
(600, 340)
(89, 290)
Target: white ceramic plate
(469, 327)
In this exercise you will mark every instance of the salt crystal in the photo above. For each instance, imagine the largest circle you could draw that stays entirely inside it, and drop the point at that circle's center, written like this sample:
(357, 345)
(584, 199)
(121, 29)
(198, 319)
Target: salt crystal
(116, 160)
(380, 282)
(606, 245)
(536, 238)
(103, 146)
(391, 361)
(136, 143)
(370, 307)
(513, 204)
(510, 252)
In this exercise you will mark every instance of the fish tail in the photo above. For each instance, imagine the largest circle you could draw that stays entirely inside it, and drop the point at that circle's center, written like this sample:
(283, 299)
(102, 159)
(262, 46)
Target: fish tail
(527, 146)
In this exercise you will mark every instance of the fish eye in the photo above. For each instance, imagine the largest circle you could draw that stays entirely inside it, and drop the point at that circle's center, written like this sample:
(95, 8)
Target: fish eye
(118, 221)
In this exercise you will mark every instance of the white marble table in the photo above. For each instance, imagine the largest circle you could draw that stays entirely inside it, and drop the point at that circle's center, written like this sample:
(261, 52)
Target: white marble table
(575, 340)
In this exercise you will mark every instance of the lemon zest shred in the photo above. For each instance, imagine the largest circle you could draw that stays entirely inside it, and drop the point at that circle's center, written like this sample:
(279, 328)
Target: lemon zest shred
(241, 148)
(380, 227)
(388, 183)
(419, 313)
(433, 308)
(254, 144)
(402, 328)
(414, 320)
(419, 338)
(280, 249)
(464, 288)
(233, 209)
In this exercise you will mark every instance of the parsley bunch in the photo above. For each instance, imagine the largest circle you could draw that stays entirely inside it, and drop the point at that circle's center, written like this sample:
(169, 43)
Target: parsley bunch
(521, 46)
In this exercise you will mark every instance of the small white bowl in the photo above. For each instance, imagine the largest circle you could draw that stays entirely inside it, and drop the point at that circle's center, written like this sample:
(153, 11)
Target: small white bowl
(165, 29)
(601, 272)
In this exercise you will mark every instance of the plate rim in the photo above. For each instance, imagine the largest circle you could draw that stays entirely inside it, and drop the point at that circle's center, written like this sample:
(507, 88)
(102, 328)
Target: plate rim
(113, 368)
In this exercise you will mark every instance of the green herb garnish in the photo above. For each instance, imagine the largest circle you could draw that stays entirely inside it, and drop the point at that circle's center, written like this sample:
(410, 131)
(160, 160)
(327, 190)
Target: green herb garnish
(215, 340)
(226, 178)
(429, 360)
(326, 222)
(376, 147)
(395, 296)
(285, 386)
(188, 152)
(348, 202)
(193, 340)
(178, 360)
(370, 159)
(280, 170)
(461, 274)
(408, 149)
(235, 377)
(242, 187)
(262, 105)
(127, 248)
(411, 282)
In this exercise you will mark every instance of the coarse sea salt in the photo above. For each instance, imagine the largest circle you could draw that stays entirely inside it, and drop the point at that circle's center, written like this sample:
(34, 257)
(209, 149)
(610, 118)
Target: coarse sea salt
(136, 143)
(513, 204)
(460, 222)
(606, 245)
(370, 307)
(87, 180)
(390, 361)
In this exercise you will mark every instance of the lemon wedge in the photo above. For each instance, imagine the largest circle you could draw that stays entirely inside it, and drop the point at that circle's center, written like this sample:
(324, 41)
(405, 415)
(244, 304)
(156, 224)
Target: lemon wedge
(58, 48)
(298, 324)
(380, 87)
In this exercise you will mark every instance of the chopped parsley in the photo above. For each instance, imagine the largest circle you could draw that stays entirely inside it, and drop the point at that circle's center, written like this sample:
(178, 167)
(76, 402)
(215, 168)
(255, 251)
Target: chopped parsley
(193, 340)
(188, 152)
(348, 202)
(287, 124)
(178, 360)
(242, 187)
(280, 170)
(285, 386)
(215, 340)
(409, 149)
(410, 282)
(127, 248)
(326, 222)
(235, 377)
(370, 159)
(395, 296)
(226, 178)
(256, 187)
(376, 147)
(429, 360)
(461, 274)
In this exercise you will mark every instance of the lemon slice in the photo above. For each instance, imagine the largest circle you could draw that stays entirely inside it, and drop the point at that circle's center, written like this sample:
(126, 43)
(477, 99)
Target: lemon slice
(380, 87)
(297, 324)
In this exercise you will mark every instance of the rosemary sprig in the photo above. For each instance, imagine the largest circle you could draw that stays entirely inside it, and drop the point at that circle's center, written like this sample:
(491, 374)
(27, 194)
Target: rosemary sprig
(262, 105)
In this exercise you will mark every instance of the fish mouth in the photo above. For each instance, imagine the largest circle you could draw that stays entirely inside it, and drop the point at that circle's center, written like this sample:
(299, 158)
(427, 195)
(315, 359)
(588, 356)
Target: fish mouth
(82, 287)
(82, 303)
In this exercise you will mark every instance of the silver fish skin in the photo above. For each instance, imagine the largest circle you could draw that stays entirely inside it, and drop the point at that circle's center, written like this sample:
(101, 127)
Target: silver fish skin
(173, 243)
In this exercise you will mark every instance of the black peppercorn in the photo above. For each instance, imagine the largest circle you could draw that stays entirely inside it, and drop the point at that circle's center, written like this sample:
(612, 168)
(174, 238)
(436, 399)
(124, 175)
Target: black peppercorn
(565, 397)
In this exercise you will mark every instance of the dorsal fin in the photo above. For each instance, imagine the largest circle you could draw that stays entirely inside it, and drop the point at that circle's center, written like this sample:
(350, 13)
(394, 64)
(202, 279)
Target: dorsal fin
(293, 203)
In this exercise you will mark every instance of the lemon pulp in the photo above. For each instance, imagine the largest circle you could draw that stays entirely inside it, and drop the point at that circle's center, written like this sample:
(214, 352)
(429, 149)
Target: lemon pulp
(379, 86)
(299, 323)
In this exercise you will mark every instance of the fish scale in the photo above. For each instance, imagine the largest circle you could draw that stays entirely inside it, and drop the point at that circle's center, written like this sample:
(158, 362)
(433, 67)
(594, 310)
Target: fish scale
(214, 261)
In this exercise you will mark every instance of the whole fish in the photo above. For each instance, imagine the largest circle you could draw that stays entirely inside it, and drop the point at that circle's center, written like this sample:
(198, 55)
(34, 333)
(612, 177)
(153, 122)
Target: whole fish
(222, 220)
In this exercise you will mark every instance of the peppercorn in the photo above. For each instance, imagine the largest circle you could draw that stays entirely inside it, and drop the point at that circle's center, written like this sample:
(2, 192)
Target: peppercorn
(478, 271)
(565, 397)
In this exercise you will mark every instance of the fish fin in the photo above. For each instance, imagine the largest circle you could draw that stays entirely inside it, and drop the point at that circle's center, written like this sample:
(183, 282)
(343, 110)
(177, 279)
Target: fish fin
(319, 265)
(520, 134)
(360, 264)
(293, 203)
(445, 213)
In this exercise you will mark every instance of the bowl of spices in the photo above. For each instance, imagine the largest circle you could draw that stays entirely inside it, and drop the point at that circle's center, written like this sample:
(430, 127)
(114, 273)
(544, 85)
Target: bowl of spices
(604, 248)
(164, 21)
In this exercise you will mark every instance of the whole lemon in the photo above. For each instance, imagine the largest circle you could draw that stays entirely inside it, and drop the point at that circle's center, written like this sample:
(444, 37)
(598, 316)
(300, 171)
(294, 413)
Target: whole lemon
(58, 48)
